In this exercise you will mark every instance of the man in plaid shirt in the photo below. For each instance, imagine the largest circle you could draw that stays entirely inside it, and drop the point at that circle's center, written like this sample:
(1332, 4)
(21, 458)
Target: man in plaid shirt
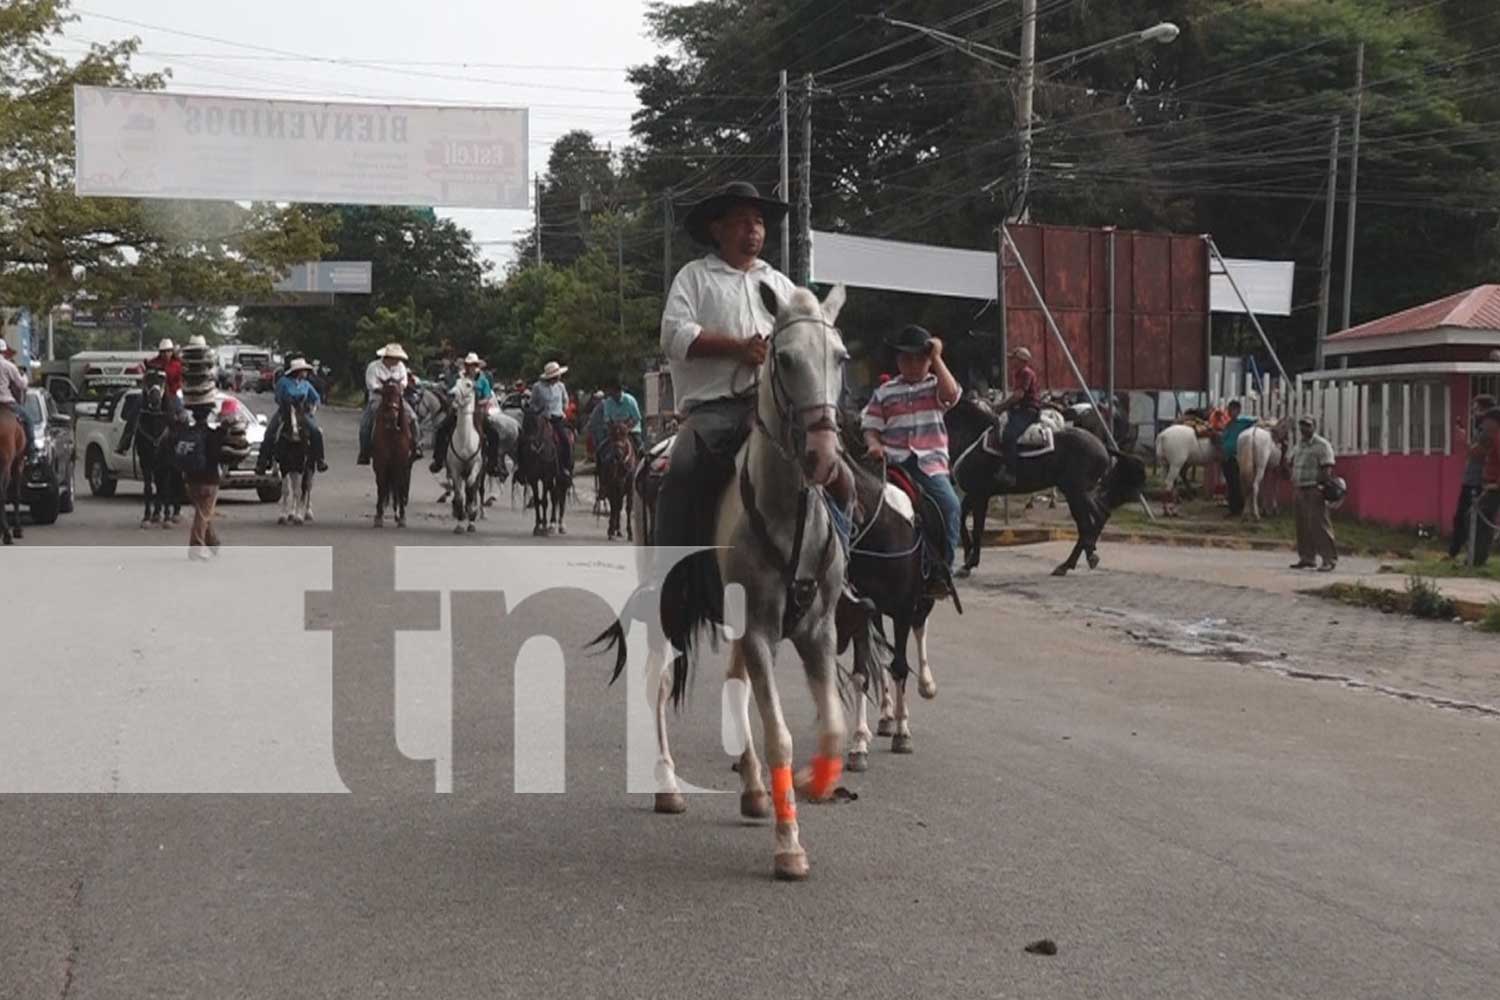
(903, 422)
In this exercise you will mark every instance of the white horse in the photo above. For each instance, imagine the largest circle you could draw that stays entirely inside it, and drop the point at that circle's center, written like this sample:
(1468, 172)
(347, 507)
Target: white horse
(465, 458)
(790, 591)
(1259, 450)
(1178, 447)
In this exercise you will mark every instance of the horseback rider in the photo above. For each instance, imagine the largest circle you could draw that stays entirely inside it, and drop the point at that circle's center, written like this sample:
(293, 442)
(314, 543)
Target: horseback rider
(1024, 404)
(903, 424)
(389, 366)
(619, 405)
(292, 388)
(166, 362)
(485, 402)
(715, 334)
(549, 398)
(13, 397)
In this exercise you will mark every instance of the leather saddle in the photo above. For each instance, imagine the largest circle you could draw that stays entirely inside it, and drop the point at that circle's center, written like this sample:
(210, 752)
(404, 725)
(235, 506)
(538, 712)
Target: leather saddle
(928, 515)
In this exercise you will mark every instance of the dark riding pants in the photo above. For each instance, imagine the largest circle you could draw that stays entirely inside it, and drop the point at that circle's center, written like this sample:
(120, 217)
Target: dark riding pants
(1466, 497)
(564, 445)
(1021, 418)
(1229, 468)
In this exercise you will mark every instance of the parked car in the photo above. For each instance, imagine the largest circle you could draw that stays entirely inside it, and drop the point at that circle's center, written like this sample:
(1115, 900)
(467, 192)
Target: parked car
(47, 485)
(100, 427)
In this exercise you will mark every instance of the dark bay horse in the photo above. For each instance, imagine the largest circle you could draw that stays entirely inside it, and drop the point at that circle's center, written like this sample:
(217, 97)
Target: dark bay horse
(294, 461)
(616, 463)
(12, 469)
(539, 469)
(1093, 479)
(160, 481)
(393, 443)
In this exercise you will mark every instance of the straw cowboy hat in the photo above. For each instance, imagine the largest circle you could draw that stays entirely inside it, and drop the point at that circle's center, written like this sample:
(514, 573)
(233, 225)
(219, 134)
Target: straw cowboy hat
(166, 345)
(473, 359)
(713, 208)
(197, 340)
(553, 371)
(392, 351)
(1020, 352)
(298, 365)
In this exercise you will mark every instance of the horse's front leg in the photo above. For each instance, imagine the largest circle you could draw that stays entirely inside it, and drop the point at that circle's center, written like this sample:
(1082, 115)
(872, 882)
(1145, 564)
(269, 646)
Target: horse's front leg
(819, 652)
(901, 672)
(790, 859)
(981, 512)
(965, 509)
(859, 749)
(926, 683)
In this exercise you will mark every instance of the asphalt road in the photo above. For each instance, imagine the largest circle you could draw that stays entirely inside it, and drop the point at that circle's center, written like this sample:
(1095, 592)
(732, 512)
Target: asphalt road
(1179, 826)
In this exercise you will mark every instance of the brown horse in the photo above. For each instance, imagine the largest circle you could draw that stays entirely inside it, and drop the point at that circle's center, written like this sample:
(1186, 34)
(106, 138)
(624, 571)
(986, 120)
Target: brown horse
(616, 469)
(393, 444)
(12, 469)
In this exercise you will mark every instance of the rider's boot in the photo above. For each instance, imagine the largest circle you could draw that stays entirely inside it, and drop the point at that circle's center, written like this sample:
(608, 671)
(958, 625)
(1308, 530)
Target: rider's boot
(320, 456)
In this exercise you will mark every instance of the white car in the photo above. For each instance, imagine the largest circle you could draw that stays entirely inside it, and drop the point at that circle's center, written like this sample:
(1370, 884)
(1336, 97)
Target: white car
(100, 426)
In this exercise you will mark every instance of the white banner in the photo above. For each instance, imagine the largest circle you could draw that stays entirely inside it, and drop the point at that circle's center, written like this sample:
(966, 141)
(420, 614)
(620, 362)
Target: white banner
(150, 144)
(903, 267)
(1266, 285)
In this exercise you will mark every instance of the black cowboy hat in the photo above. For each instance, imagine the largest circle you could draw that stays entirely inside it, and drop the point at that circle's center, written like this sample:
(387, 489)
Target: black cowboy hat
(912, 340)
(715, 205)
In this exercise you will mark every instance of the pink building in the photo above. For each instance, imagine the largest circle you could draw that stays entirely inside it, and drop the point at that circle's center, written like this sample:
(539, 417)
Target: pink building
(1395, 397)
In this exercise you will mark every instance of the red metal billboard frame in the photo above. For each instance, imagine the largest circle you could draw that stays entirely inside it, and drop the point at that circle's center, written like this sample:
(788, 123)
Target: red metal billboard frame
(1160, 305)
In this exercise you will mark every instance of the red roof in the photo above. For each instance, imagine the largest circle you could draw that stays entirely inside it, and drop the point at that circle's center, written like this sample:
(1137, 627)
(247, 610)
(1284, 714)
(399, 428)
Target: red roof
(1476, 309)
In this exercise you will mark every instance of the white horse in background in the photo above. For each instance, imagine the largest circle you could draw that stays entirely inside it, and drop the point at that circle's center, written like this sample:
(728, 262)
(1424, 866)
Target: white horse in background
(465, 458)
(1178, 447)
(790, 593)
(1260, 449)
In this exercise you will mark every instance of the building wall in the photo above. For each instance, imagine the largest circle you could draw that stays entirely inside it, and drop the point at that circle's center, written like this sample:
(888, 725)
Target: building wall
(1402, 490)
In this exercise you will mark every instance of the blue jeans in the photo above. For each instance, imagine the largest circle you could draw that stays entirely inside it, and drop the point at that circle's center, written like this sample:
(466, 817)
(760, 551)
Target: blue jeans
(940, 488)
(1021, 418)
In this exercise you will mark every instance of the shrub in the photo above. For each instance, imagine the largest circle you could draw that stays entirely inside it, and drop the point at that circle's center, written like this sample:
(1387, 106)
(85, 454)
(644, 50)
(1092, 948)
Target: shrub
(1490, 622)
(1426, 601)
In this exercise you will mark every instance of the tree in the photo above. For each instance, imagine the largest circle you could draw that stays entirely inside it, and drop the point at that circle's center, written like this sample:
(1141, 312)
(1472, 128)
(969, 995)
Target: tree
(56, 246)
(403, 325)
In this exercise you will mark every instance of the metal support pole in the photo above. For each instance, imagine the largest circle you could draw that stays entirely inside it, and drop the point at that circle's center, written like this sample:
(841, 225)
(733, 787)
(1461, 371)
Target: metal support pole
(667, 224)
(1359, 102)
(1004, 320)
(1213, 249)
(1113, 403)
(785, 192)
(51, 355)
(1024, 104)
(1325, 275)
(804, 193)
(538, 218)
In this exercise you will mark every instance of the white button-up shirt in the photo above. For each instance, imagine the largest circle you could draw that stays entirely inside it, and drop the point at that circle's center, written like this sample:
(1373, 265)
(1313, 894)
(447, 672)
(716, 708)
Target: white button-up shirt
(710, 295)
(377, 374)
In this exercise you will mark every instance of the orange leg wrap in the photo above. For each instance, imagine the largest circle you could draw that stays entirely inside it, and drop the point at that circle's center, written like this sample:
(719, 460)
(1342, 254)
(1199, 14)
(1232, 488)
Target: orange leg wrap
(783, 797)
(825, 774)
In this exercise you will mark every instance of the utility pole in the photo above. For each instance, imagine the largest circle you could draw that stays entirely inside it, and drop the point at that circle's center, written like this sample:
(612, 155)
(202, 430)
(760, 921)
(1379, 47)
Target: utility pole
(803, 277)
(785, 193)
(1359, 101)
(1023, 105)
(667, 224)
(1325, 269)
(620, 268)
(539, 219)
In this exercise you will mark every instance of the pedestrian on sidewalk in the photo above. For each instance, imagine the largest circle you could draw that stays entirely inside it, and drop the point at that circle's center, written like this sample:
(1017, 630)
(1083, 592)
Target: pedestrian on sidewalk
(1488, 499)
(1312, 466)
(1471, 432)
(1229, 437)
(199, 452)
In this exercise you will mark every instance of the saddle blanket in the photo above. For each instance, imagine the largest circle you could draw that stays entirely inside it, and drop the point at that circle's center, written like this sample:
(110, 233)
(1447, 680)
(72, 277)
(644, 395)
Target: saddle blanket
(1037, 439)
(897, 500)
(659, 455)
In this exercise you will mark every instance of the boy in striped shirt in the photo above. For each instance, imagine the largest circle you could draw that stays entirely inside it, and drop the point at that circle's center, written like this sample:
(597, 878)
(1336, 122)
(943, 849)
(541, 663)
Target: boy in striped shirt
(903, 422)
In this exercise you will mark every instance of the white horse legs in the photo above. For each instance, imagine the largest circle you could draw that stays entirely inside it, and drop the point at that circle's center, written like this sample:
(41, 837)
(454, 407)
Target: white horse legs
(926, 683)
(755, 800)
(859, 748)
(887, 725)
(669, 798)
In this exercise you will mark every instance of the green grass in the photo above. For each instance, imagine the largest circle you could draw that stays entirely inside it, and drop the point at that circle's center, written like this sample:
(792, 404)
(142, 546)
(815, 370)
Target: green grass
(1354, 537)
(1441, 566)
(1490, 622)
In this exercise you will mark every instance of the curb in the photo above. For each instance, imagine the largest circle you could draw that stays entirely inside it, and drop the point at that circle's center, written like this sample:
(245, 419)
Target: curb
(1236, 543)
(1469, 611)
(1005, 537)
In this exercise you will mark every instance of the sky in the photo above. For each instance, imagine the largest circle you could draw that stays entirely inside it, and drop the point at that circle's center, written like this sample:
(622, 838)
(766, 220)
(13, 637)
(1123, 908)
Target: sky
(565, 60)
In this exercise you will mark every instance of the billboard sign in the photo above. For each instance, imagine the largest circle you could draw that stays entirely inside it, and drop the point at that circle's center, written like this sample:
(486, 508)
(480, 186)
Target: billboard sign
(152, 144)
(1266, 285)
(344, 277)
(902, 267)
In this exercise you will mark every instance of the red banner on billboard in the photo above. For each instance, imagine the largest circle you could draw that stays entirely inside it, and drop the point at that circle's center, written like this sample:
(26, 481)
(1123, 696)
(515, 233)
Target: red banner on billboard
(1161, 306)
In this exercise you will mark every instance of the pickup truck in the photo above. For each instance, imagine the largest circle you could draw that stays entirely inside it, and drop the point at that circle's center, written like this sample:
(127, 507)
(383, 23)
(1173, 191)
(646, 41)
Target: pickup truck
(99, 426)
(47, 487)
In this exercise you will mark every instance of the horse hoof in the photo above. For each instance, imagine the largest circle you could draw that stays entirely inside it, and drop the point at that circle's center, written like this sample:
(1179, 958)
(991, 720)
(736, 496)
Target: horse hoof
(885, 727)
(791, 867)
(670, 803)
(859, 760)
(166, 524)
(379, 523)
(1093, 561)
(145, 524)
(458, 529)
(296, 522)
(471, 528)
(927, 689)
(281, 520)
(561, 530)
(1060, 571)
(962, 573)
(755, 805)
(400, 522)
(901, 743)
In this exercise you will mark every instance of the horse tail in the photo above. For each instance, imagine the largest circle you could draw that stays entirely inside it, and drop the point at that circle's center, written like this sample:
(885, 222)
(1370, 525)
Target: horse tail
(1124, 480)
(612, 638)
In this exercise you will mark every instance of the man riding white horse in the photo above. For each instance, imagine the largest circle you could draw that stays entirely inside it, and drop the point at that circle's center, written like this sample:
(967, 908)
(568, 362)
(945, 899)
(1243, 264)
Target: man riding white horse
(389, 366)
(715, 333)
(487, 406)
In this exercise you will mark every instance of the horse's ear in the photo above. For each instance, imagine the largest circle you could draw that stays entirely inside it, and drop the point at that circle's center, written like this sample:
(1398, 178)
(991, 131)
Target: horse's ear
(834, 303)
(769, 299)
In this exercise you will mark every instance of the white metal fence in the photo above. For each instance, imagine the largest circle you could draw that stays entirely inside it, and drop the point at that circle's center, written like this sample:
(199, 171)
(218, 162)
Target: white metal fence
(1397, 417)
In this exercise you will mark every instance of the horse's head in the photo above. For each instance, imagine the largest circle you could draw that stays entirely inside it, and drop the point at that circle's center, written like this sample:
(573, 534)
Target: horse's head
(152, 392)
(462, 394)
(803, 378)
